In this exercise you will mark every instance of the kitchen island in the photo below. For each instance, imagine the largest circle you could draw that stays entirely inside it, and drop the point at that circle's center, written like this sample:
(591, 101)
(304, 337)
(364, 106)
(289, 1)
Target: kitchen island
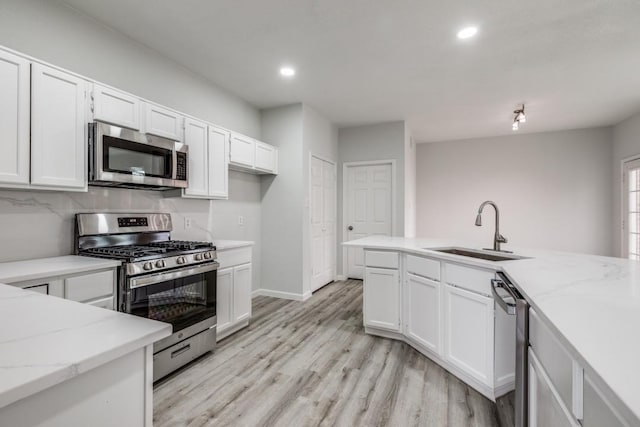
(64, 363)
(590, 305)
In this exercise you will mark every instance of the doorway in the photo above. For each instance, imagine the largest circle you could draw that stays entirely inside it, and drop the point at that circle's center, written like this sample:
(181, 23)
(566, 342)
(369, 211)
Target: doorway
(323, 221)
(368, 207)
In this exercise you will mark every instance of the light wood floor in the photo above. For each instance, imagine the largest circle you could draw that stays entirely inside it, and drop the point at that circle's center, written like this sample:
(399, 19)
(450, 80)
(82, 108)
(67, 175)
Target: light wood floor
(311, 364)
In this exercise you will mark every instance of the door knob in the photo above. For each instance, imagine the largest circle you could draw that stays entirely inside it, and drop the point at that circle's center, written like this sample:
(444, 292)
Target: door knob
(350, 228)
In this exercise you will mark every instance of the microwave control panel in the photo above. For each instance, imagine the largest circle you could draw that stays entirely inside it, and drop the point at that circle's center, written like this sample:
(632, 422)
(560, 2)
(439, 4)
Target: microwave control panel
(181, 166)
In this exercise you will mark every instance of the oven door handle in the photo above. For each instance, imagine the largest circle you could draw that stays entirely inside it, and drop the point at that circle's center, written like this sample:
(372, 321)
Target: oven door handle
(138, 282)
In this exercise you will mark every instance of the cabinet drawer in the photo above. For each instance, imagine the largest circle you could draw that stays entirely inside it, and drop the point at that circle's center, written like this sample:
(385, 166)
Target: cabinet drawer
(231, 257)
(474, 280)
(89, 286)
(424, 267)
(103, 303)
(553, 357)
(41, 289)
(381, 259)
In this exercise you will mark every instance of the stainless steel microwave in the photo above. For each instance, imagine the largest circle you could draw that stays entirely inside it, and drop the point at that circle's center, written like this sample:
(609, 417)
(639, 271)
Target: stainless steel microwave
(120, 157)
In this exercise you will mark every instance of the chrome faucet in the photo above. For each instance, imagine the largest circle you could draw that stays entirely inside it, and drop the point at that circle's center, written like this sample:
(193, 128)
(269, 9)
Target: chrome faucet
(498, 238)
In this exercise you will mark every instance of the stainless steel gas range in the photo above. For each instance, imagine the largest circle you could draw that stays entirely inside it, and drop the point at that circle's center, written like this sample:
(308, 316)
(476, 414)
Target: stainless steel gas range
(161, 279)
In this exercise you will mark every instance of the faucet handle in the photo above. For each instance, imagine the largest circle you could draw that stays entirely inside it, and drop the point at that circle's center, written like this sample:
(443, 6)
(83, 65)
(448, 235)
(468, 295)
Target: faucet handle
(501, 239)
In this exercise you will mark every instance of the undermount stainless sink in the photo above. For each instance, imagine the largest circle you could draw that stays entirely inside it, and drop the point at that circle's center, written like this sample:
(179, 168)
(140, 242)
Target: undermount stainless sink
(481, 254)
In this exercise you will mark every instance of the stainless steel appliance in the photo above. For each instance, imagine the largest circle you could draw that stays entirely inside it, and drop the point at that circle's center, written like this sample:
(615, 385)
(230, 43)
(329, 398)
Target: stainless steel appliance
(162, 279)
(120, 157)
(512, 301)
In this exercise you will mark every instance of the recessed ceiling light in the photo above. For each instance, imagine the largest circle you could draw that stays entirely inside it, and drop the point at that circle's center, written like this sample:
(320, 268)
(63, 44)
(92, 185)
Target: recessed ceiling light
(287, 72)
(467, 32)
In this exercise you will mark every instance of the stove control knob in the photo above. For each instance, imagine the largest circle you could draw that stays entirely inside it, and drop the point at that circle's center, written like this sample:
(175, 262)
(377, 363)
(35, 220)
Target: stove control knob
(160, 264)
(181, 260)
(198, 257)
(147, 266)
(207, 255)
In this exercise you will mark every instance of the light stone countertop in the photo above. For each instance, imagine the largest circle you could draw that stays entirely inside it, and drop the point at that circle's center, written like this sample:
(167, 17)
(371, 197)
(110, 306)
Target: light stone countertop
(592, 302)
(43, 268)
(222, 245)
(47, 340)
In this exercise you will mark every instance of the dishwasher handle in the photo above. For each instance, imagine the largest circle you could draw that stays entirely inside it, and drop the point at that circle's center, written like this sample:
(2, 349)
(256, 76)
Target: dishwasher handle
(507, 306)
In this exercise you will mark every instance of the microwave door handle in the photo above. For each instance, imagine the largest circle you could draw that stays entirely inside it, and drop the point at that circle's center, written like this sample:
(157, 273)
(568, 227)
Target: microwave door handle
(508, 307)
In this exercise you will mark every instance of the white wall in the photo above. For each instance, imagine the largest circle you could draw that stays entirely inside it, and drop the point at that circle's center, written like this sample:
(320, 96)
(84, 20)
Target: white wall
(553, 189)
(626, 144)
(282, 203)
(381, 141)
(58, 34)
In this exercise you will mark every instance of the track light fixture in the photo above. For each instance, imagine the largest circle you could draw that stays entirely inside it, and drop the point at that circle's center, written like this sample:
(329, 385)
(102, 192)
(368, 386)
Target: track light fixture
(518, 118)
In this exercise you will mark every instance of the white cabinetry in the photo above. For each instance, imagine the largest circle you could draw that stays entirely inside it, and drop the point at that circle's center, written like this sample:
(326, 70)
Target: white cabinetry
(96, 288)
(249, 155)
(115, 107)
(162, 122)
(469, 333)
(234, 287)
(598, 410)
(208, 161)
(422, 305)
(381, 294)
(14, 119)
(58, 154)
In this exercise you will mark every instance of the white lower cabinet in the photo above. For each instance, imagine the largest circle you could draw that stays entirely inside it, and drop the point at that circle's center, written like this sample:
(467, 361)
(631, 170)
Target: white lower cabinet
(422, 305)
(545, 405)
(598, 410)
(469, 326)
(94, 288)
(234, 288)
(382, 298)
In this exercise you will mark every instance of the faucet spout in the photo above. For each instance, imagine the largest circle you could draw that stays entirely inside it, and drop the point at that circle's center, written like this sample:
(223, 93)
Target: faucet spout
(498, 238)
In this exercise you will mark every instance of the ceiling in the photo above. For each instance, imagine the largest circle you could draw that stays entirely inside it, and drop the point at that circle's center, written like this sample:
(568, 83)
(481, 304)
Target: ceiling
(575, 63)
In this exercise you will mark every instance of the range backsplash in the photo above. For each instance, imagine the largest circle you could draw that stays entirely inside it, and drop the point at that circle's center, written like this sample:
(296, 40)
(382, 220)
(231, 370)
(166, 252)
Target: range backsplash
(35, 224)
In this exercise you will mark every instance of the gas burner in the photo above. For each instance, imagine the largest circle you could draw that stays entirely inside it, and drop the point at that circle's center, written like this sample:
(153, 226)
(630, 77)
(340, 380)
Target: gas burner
(126, 251)
(182, 245)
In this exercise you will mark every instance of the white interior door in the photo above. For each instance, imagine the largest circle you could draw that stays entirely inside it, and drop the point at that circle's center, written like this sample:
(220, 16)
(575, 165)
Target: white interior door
(323, 222)
(368, 200)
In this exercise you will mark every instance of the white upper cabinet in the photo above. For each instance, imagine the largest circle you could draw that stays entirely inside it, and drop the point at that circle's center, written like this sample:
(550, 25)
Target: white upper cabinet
(242, 151)
(218, 163)
(58, 154)
(208, 161)
(266, 158)
(115, 107)
(14, 119)
(195, 136)
(162, 122)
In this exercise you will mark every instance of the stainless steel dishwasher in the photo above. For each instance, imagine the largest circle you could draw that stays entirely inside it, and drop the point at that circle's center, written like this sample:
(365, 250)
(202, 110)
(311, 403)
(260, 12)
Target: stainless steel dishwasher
(512, 302)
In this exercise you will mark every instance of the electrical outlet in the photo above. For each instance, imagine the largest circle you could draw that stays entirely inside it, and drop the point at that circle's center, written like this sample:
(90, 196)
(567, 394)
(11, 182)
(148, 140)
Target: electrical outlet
(187, 223)
(240, 220)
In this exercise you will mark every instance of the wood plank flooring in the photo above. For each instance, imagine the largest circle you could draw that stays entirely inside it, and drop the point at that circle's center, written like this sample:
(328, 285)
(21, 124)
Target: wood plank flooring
(311, 364)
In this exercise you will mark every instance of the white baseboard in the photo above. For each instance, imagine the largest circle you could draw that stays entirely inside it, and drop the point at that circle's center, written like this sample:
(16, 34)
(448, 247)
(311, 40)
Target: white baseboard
(280, 294)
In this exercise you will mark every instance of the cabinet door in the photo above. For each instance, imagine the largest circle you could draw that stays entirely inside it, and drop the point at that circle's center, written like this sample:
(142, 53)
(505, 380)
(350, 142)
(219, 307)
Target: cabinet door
(265, 157)
(597, 411)
(545, 406)
(218, 163)
(41, 289)
(118, 108)
(422, 298)
(195, 136)
(162, 122)
(224, 298)
(469, 333)
(58, 154)
(242, 150)
(242, 293)
(14, 119)
(382, 299)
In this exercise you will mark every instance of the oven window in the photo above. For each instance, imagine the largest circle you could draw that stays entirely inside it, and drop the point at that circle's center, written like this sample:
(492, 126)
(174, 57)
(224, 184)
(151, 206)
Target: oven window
(181, 302)
(132, 158)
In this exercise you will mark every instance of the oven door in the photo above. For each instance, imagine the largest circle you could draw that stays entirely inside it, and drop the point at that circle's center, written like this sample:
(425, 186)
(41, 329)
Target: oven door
(185, 298)
(126, 156)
